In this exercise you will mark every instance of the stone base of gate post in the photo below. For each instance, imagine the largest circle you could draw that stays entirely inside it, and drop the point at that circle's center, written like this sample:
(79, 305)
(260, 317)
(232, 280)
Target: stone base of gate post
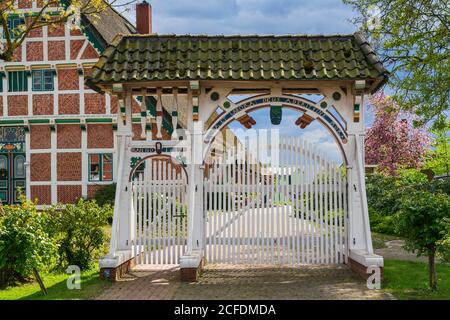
(191, 266)
(114, 267)
(365, 265)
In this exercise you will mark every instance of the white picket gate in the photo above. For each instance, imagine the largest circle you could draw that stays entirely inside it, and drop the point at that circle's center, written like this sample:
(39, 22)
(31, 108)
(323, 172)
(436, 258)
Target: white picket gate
(160, 207)
(291, 210)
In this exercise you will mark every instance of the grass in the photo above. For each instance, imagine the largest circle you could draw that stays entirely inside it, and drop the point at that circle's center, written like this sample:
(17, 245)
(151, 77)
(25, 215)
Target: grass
(408, 280)
(91, 285)
(379, 239)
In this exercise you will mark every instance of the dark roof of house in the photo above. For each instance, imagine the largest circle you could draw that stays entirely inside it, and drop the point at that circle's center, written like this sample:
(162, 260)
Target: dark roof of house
(132, 58)
(107, 24)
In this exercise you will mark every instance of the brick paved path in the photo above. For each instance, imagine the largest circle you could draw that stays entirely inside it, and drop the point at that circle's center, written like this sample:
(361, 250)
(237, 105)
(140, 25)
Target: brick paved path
(244, 282)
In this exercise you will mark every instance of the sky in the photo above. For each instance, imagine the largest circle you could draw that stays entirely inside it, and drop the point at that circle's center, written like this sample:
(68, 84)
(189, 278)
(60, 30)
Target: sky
(249, 16)
(258, 17)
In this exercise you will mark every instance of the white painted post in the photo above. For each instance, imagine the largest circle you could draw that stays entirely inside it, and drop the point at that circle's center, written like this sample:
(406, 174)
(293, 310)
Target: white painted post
(123, 228)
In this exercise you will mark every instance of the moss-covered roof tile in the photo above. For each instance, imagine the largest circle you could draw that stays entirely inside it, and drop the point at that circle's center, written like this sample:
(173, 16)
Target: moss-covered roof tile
(187, 57)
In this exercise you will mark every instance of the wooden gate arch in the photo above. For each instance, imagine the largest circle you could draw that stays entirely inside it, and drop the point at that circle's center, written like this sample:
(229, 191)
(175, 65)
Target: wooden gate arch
(159, 202)
(323, 115)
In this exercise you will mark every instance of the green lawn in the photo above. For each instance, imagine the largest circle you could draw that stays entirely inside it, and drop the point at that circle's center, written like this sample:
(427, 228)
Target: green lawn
(57, 288)
(408, 280)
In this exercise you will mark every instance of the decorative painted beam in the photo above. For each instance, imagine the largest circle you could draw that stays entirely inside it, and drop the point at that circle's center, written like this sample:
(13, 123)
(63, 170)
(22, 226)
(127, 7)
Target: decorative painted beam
(357, 109)
(122, 110)
(159, 114)
(195, 90)
(143, 115)
(175, 114)
(304, 121)
(247, 121)
(117, 87)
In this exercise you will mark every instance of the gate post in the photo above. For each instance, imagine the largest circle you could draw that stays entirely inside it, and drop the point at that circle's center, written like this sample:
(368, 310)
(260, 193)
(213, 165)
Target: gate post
(359, 239)
(191, 263)
(120, 255)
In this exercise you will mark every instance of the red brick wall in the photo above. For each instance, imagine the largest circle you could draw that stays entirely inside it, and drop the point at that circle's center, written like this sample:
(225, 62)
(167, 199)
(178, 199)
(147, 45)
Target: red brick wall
(68, 194)
(24, 4)
(100, 136)
(89, 53)
(87, 72)
(40, 137)
(114, 104)
(17, 105)
(17, 56)
(40, 4)
(40, 167)
(91, 189)
(94, 103)
(35, 33)
(75, 47)
(68, 136)
(69, 166)
(56, 50)
(42, 104)
(35, 51)
(56, 31)
(68, 79)
(69, 104)
(76, 32)
(43, 194)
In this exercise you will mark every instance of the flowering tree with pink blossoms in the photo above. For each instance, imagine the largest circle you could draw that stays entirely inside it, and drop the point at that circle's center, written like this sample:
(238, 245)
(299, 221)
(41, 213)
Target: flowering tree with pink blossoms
(393, 142)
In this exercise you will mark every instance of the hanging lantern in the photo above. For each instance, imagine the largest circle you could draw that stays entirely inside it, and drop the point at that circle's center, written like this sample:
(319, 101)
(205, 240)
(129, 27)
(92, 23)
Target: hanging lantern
(276, 115)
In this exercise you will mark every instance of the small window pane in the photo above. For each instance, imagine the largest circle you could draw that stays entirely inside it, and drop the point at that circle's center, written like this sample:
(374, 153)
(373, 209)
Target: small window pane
(101, 167)
(17, 81)
(42, 80)
(3, 168)
(107, 167)
(94, 167)
(19, 167)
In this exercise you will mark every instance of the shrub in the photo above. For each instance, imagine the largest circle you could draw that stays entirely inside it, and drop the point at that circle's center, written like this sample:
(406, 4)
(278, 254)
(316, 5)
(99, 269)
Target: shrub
(25, 245)
(105, 194)
(382, 194)
(79, 229)
(382, 224)
(423, 221)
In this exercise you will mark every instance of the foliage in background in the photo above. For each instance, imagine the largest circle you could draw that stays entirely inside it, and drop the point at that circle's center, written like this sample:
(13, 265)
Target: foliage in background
(422, 221)
(25, 245)
(79, 230)
(52, 13)
(106, 194)
(412, 40)
(392, 142)
(384, 195)
(438, 157)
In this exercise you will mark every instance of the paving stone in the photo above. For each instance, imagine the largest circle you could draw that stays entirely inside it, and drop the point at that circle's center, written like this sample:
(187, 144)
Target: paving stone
(245, 282)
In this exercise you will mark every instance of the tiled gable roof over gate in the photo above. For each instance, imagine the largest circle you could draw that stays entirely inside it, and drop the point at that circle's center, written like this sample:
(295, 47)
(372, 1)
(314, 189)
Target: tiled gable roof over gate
(187, 57)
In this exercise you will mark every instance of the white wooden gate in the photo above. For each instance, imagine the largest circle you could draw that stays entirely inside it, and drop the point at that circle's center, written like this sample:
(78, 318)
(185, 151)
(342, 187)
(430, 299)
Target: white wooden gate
(288, 210)
(160, 206)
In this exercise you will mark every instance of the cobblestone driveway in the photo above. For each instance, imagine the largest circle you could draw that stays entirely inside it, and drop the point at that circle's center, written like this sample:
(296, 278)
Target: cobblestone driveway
(244, 282)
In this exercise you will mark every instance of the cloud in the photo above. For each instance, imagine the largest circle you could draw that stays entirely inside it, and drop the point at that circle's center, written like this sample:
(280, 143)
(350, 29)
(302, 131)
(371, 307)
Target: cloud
(250, 17)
